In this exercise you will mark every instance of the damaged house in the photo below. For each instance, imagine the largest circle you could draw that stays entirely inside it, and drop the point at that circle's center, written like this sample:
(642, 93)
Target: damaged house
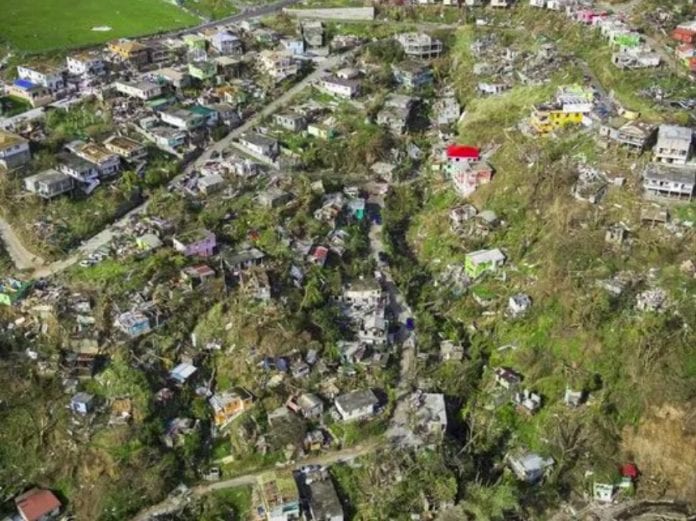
(229, 405)
(364, 304)
(636, 136)
(669, 182)
(396, 113)
(419, 45)
(446, 111)
(674, 144)
(412, 74)
(591, 185)
(636, 58)
(419, 420)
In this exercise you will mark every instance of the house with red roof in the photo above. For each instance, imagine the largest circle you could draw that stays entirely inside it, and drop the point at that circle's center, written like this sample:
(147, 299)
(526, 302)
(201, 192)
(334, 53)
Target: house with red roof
(466, 169)
(196, 275)
(458, 156)
(589, 16)
(685, 52)
(38, 505)
(459, 153)
(685, 33)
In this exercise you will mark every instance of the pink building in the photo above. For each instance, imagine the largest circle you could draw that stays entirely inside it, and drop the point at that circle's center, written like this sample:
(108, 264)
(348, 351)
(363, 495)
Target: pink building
(469, 177)
(588, 16)
(196, 243)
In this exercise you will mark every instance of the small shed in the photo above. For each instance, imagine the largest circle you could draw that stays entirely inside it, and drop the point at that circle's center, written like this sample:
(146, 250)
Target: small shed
(182, 372)
(82, 403)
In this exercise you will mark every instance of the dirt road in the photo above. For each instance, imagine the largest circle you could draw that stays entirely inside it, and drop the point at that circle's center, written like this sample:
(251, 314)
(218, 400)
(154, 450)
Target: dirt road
(22, 258)
(398, 306)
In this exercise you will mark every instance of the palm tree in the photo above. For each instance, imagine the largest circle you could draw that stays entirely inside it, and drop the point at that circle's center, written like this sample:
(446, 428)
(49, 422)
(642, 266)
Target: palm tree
(313, 294)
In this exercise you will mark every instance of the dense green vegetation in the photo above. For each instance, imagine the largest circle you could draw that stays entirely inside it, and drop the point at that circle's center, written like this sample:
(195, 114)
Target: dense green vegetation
(11, 106)
(211, 9)
(6, 265)
(225, 504)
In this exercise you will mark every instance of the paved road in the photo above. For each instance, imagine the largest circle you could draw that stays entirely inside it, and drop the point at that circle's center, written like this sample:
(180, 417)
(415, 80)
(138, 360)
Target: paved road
(176, 502)
(254, 12)
(24, 260)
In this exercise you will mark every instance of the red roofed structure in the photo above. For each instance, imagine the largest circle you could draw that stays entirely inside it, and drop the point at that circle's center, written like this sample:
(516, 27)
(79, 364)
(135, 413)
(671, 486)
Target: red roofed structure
(318, 256)
(38, 505)
(685, 33)
(629, 470)
(463, 152)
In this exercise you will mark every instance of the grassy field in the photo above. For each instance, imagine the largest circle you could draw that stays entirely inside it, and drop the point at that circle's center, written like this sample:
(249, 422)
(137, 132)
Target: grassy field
(43, 25)
(211, 9)
(11, 106)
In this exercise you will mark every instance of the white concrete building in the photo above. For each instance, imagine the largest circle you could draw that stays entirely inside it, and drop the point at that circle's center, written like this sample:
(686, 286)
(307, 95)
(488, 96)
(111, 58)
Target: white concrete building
(107, 162)
(278, 64)
(50, 78)
(143, 90)
(419, 45)
(674, 144)
(340, 87)
(182, 119)
(356, 405)
(85, 65)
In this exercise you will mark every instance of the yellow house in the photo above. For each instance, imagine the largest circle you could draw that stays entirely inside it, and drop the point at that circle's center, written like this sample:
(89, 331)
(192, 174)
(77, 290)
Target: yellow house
(570, 107)
(228, 405)
(546, 118)
(130, 50)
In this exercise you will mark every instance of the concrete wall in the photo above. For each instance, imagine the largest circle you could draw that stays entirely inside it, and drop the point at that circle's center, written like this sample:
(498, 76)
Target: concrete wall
(338, 14)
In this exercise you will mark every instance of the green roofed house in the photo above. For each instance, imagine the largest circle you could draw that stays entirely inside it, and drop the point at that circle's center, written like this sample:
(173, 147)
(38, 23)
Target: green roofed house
(158, 104)
(211, 115)
(202, 70)
(195, 41)
(12, 290)
(630, 40)
(481, 261)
